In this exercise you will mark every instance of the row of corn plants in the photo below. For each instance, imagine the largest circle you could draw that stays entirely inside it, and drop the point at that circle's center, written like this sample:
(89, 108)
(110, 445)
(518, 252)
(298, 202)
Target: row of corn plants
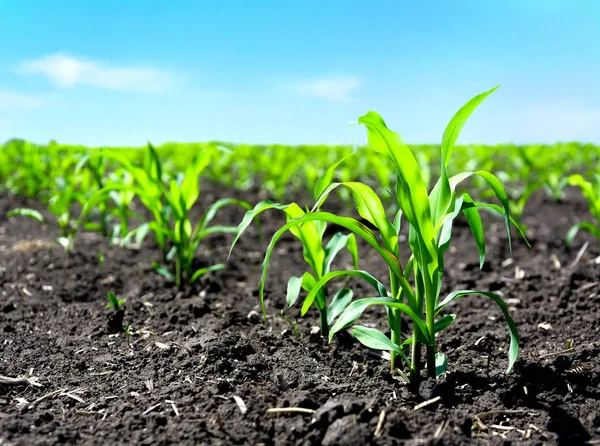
(412, 289)
(128, 195)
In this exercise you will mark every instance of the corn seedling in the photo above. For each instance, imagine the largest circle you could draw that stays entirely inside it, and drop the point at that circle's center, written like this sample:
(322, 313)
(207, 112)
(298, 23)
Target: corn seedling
(115, 318)
(318, 258)
(169, 200)
(65, 195)
(554, 184)
(591, 192)
(430, 217)
(114, 302)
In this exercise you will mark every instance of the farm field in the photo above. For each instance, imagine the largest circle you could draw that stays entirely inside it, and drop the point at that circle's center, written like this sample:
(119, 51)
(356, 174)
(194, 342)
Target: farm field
(179, 351)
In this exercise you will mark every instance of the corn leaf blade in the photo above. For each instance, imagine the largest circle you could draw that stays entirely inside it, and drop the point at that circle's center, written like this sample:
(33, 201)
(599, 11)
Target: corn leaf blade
(514, 334)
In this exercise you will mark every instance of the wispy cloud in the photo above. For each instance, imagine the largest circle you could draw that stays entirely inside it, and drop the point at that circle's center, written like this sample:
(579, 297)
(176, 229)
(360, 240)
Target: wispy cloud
(334, 88)
(65, 71)
(10, 100)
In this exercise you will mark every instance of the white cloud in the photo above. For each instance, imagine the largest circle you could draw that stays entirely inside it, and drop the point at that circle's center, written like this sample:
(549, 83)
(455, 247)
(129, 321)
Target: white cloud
(336, 88)
(67, 71)
(11, 100)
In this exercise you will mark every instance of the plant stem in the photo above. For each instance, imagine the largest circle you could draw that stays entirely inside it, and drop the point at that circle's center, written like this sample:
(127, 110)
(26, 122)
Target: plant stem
(178, 271)
(431, 361)
(430, 300)
(395, 321)
(324, 324)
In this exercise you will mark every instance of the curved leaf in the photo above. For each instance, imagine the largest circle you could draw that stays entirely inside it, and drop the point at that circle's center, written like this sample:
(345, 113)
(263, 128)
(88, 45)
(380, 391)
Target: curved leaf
(338, 304)
(214, 208)
(26, 212)
(249, 216)
(294, 286)
(202, 271)
(444, 322)
(514, 334)
(379, 287)
(356, 308)
(354, 226)
(498, 189)
(474, 220)
(586, 226)
(327, 177)
(374, 339)
(498, 210)
(335, 245)
(369, 207)
(457, 123)
(410, 187)
(309, 235)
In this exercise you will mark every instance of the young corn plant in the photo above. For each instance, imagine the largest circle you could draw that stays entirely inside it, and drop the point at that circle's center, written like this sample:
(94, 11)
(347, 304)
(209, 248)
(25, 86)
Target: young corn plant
(121, 211)
(115, 318)
(555, 184)
(318, 258)
(170, 203)
(591, 192)
(67, 192)
(414, 290)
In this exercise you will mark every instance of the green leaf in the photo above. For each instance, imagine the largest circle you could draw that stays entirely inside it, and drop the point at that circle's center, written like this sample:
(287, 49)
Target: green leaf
(189, 188)
(202, 271)
(327, 177)
(251, 214)
(335, 245)
(338, 304)
(398, 221)
(369, 207)
(498, 189)
(410, 187)
(457, 123)
(348, 223)
(152, 163)
(309, 234)
(217, 229)
(113, 302)
(163, 271)
(474, 220)
(379, 287)
(65, 242)
(586, 226)
(444, 322)
(216, 206)
(374, 339)
(293, 290)
(356, 308)
(494, 208)
(514, 334)
(441, 364)
(445, 233)
(26, 212)
(141, 233)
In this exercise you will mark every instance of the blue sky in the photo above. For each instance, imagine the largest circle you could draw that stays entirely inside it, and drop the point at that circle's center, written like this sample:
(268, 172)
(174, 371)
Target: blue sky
(121, 72)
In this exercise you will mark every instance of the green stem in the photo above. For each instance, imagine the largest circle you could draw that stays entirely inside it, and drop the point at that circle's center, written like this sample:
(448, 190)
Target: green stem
(430, 299)
(324, 324)
(395, 325)
(396, 321)
(431, 361)
(178, 272)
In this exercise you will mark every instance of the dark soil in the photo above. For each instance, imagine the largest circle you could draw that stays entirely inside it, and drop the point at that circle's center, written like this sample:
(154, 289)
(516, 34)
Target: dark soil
(197, 359)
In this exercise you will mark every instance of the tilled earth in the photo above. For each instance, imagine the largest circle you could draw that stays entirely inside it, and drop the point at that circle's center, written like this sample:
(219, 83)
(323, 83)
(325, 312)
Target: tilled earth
(201, 367)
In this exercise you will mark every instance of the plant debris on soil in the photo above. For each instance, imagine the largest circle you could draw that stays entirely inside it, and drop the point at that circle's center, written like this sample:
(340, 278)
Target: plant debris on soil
(199, 365)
